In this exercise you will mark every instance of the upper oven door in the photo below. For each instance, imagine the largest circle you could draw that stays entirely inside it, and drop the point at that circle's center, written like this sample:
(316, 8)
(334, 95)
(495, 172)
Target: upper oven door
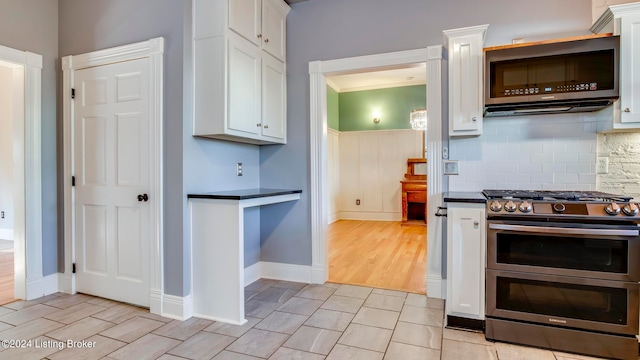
(593, 251)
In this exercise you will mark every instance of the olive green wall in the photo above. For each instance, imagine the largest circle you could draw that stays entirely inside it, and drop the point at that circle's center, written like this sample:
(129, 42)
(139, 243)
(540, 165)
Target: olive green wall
(356, 108)
(333, 112)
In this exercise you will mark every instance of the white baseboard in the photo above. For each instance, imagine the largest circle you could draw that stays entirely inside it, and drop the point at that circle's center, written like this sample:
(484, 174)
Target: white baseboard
(177, 307)
(278, 271)
(371, 216)
(436, 288)
(286, 272)
(66, 283)
(252, 273)
(333, 218)
(6, 234)
(41, 287)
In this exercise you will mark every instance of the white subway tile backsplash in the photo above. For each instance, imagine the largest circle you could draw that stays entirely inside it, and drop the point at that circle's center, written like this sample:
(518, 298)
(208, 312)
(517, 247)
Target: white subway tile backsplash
(565, 178)
(553, 168)
(566, 158)
(542, 152)
(580, 168)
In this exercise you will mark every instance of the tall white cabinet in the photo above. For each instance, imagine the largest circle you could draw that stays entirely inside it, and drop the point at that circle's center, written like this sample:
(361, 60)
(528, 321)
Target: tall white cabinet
(466, 103)
(624, 20)
(466, 263)
(240, 70)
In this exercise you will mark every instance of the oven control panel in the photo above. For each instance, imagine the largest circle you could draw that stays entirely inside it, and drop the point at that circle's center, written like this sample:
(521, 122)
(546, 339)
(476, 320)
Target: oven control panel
(551, 208)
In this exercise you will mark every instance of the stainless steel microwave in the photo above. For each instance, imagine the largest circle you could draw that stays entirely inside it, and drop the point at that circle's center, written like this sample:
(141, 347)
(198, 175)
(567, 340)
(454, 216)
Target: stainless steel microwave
(571, 76)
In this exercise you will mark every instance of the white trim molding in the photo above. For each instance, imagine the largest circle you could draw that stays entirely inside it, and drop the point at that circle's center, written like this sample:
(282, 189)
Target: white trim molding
(437, 139)
(177, 307)
(43, 286)
(318, 72)
(27, 181)
(277, 271)
(153, 50)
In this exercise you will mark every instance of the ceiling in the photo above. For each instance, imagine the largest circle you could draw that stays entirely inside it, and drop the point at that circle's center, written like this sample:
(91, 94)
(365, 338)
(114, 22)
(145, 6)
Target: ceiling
(388, 78)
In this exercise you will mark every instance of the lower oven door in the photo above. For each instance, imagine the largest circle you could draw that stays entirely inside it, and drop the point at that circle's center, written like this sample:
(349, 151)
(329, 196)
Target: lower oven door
(579, 303)
(585, 250)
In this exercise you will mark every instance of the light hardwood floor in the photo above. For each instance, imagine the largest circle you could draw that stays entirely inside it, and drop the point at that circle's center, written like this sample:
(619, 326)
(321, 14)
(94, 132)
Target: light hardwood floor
(380, 254)
(6, 276)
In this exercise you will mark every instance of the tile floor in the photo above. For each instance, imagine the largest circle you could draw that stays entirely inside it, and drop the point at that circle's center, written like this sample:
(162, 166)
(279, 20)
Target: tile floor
(285, 321)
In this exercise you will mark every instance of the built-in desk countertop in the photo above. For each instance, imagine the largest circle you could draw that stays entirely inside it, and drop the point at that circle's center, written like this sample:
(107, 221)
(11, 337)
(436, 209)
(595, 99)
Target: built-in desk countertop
(217, 249)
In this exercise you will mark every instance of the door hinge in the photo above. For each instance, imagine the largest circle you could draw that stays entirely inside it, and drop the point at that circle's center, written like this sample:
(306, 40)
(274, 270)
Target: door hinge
(73, 93)
(73, 181)
(73, 268)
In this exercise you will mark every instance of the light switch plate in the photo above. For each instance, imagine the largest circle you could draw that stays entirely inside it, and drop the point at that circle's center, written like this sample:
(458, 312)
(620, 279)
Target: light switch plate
(450, 167)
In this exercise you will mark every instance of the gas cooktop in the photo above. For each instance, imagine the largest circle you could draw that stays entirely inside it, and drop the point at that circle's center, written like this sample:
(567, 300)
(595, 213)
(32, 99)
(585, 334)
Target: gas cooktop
(560, 204)
(554, 195)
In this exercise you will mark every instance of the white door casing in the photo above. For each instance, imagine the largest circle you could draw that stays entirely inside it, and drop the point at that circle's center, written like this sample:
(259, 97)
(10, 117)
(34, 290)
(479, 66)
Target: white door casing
(149, 54)
(29, 282)
(318, 71)
(110, 128)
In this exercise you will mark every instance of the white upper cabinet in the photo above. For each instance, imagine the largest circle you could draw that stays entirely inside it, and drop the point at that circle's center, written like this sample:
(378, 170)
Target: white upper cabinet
(240, 73)
(466, 64)
(623, 20)
(262, 22)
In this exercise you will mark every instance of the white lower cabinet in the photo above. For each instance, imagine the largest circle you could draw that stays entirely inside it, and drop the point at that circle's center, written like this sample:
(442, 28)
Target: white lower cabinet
(466, 248)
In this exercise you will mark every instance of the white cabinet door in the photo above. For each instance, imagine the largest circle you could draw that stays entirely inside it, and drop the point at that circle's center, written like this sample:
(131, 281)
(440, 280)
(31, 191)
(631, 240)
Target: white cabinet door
(244, 98)
(274, 92)
(245, 19)
(466, 260)
(274, 29)
(630, 69)
(465, 80)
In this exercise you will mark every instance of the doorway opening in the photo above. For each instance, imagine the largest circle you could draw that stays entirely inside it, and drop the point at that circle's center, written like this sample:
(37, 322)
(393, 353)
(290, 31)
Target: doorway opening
(7, 100)
(20, 177)
(369, 143)
(318, 73)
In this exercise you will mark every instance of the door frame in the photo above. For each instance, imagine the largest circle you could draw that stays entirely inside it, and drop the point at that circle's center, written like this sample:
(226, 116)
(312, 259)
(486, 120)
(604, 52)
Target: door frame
(153, 50)
(29, 282)
(318, 72)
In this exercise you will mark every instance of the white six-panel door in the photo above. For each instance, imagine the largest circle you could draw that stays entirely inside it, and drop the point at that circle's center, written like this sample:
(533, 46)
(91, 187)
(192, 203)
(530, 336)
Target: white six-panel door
(111, 125)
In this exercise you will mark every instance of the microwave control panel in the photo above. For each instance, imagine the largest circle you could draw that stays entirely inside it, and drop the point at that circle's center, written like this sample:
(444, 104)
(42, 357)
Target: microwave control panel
(551, 89)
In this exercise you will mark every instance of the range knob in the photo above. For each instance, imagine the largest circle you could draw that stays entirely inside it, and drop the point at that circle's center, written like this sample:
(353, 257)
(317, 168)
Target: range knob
(495, 206)
(559, 207)
(631, 209)
(510, 206)
(525, 207)
(612, 209)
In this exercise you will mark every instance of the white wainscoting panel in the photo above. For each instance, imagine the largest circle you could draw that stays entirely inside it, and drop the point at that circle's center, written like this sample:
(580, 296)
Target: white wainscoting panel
(371, 166)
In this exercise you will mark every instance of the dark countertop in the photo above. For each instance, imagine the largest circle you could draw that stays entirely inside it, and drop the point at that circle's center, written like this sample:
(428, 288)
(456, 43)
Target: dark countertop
(464, 197)
(243, 194)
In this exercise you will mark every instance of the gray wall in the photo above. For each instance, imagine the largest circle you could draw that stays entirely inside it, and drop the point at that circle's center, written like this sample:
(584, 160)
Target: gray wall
(32, 25)
(190, 165)
(331, 29)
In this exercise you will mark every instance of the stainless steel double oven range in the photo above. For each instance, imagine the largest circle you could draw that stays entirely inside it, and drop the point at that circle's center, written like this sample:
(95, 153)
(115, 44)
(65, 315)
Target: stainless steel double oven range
(563, 271)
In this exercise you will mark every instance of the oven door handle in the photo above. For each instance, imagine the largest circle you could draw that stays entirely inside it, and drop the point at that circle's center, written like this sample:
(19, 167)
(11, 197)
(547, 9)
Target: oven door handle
(571, 231)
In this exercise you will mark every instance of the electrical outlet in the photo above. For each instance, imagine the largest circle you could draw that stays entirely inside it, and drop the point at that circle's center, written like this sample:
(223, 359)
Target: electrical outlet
(357, 201)
(239, 169)
(602, 165)
(1, 214)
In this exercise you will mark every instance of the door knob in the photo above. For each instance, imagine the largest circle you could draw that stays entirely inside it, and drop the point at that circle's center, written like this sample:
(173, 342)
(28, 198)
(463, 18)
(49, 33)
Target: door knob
(143, 198)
